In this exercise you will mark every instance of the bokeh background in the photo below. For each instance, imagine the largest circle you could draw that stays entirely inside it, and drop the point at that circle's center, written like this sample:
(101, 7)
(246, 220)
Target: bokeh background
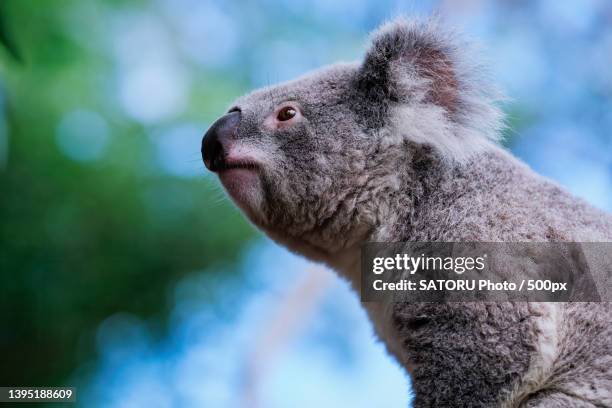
(126, 272)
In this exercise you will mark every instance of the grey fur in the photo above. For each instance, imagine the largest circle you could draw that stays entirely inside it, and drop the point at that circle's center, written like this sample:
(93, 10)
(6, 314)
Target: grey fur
(401, 147)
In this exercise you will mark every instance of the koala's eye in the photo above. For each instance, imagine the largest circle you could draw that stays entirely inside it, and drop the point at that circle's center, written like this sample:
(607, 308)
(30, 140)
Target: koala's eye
(286, 113)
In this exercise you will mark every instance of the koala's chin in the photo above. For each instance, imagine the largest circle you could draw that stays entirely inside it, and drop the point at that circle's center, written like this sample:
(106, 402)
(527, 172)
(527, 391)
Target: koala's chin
(244, 187)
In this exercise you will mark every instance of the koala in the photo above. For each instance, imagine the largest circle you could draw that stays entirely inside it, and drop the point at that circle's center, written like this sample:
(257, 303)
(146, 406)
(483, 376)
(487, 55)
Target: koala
(403, 147)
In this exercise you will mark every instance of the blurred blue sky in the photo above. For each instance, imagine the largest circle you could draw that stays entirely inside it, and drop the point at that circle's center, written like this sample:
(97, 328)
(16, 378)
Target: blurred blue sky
(243, 352)
(552, 58)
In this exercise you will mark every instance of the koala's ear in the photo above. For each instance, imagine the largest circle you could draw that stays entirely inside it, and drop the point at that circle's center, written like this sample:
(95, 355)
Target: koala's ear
(409, 60)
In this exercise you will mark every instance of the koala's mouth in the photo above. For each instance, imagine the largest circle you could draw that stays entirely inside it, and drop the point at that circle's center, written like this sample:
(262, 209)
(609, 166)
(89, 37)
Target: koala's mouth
(237, 175)
(223, 165)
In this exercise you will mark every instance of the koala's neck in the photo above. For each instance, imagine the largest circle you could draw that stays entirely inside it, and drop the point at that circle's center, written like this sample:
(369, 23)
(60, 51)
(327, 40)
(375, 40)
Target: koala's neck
(433, 202)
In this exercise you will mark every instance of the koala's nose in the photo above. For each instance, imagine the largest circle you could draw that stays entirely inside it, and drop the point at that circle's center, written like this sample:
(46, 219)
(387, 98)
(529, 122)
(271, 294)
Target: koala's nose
(216, 140)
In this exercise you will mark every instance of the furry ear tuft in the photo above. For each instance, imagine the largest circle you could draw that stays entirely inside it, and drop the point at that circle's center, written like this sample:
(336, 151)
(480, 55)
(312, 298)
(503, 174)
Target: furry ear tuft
(402, 52)
(418, 63)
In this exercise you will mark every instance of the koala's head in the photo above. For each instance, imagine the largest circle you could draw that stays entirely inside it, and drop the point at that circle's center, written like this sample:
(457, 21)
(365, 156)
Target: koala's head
(316, 162)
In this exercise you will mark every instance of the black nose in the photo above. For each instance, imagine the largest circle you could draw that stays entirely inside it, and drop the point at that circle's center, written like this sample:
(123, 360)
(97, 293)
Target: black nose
(216, 140)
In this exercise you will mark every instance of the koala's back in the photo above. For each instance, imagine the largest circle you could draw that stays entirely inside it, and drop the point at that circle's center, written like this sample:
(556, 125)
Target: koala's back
(506, 354)
(496, 198)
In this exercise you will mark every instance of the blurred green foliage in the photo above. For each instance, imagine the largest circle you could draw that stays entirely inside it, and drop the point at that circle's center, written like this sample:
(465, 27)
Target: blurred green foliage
(81, 241)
